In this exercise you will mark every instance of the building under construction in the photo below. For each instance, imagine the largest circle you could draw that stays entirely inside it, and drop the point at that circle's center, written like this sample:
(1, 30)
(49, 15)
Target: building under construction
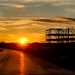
(60, 35)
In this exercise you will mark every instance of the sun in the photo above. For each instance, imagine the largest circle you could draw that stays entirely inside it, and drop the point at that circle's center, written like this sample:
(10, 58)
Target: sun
(23, 40)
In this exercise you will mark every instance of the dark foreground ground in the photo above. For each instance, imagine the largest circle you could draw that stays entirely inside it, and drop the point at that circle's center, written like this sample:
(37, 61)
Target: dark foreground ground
(20, 63)
(61, 54)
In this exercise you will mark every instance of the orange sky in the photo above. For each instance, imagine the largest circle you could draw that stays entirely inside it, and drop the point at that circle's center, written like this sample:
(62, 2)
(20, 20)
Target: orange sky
(16, 18)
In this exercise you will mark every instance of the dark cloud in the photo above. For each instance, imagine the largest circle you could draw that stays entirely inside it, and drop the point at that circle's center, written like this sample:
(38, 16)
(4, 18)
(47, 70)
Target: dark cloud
(68, 19)
(52, 21)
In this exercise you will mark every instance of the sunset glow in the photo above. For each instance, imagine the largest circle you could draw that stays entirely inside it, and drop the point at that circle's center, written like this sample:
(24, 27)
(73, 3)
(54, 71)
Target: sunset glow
(23, 40)
(30, 18)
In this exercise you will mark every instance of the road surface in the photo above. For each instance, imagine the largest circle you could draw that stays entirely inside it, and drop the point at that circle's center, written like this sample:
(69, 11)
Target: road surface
(19, 63)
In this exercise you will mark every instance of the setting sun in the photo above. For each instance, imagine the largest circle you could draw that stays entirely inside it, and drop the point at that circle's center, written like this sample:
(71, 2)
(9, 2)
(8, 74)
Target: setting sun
(23, 40)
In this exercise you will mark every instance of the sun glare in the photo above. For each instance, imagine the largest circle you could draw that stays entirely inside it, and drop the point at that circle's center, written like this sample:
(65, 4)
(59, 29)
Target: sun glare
(23, 40)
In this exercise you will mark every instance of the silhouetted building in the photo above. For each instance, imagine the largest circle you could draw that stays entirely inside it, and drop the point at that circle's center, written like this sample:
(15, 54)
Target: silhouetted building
(60, 35)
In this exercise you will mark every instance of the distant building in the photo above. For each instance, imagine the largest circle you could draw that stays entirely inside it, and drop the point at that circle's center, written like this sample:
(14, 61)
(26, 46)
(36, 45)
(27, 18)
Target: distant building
(60, 35)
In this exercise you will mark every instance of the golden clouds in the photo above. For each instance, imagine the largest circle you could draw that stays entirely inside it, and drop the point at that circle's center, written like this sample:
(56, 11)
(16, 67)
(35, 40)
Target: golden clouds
(13, 23)
(15, 5)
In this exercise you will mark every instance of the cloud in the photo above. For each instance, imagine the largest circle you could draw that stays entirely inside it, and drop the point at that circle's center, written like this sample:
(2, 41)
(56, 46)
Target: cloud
(3, 29)
(21, 5)
(12, 5)
(7, 34)
(48, 1)
(66, 19)
(38, 25)
(71, 10)
(15, 23)
(54, 2)
(52, 21)
(29, 0)
(40, 0)
(21, 27)
(64, 2)
(61, 4)
(38, 6)
(23, 23)
(67, 1)
(60, 18)
(7, 22)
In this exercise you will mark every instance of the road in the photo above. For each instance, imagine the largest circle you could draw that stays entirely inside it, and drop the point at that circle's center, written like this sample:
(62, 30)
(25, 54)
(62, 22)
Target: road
(19, 63)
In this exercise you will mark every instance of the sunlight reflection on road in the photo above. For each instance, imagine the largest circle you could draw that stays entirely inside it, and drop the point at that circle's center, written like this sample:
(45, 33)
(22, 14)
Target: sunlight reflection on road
(22, 65)
(19, 63)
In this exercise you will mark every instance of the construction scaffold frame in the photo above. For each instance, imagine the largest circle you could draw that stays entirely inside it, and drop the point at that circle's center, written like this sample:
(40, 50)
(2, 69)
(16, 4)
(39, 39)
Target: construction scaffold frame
(60, 35)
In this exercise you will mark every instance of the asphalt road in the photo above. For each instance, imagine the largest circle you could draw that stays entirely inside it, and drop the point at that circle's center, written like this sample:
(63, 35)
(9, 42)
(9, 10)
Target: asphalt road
(19, 63)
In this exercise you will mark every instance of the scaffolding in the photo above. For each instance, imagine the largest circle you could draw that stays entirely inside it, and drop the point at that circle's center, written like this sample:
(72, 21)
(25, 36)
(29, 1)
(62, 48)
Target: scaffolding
(60, 35)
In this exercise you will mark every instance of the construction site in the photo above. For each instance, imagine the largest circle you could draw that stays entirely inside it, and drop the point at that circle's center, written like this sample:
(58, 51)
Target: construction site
(60, 35)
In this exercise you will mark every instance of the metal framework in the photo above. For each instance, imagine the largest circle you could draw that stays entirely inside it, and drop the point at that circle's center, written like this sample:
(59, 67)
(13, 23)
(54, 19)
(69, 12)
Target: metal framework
(60, 35)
